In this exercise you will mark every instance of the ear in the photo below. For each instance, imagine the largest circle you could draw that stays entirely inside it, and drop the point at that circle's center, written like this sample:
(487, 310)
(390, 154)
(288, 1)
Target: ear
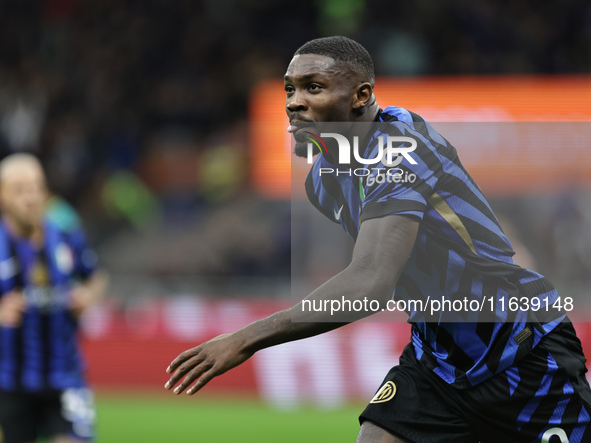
(362, 96)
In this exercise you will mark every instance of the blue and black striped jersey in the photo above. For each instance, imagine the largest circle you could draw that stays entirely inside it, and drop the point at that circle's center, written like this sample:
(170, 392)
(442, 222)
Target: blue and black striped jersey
(460, 252)
(42, 353)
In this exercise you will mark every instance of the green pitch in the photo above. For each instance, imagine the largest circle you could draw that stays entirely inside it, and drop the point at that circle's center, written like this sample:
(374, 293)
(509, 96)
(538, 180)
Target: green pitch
(160, 418)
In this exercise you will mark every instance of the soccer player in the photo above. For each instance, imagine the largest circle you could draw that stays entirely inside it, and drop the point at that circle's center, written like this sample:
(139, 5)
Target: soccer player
(519, 378)
(48, 277)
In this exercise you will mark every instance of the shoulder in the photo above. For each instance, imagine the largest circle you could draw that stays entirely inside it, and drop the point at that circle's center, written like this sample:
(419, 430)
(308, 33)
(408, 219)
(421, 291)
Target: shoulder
(397, 113)
(56, 232)
(414, 123)
(61, 213)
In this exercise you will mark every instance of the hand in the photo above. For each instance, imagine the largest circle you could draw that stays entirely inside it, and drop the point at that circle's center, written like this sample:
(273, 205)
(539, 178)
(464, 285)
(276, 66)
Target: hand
(206, 361)
(12, 306)
(81, 298)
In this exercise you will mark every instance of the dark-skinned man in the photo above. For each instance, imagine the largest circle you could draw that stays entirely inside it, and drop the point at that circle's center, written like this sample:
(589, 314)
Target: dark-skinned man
(518, 377)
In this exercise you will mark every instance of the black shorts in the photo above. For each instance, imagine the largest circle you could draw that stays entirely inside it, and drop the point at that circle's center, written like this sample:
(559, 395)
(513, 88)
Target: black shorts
(26, 416)
(551, 403)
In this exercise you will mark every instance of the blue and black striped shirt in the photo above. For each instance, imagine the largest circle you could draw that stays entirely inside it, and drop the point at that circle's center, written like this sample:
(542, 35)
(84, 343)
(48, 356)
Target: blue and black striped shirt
(460, 252)
(42, 353)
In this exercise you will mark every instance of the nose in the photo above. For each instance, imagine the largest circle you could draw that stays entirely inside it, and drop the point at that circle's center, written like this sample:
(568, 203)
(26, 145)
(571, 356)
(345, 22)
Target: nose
(296, 103)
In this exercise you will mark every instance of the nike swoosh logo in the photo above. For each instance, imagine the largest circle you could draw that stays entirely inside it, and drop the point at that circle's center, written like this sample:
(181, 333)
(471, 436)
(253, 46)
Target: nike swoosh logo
(337, 215)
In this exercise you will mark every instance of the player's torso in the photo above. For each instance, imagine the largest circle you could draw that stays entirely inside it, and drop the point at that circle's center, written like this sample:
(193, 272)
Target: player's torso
(456, 216)
(460, 252)
(42, 351)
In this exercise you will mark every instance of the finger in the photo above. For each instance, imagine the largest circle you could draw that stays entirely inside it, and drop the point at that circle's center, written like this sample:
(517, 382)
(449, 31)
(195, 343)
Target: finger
(203, 380)
(181, 358)
(196, 373)
(182, 370)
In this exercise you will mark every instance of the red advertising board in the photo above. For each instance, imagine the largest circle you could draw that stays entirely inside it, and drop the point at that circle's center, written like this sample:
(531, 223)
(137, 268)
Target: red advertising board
(132, 348)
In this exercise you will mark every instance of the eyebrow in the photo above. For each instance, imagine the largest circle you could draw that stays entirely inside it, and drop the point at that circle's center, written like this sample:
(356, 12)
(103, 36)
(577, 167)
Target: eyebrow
(304, 77)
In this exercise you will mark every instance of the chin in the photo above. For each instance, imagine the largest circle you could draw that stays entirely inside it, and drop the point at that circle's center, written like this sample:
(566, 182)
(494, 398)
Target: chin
(301, 150)
(31, 222)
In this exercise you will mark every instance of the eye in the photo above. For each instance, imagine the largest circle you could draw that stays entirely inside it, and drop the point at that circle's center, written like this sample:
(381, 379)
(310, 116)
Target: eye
(289, 89)
(314, 87)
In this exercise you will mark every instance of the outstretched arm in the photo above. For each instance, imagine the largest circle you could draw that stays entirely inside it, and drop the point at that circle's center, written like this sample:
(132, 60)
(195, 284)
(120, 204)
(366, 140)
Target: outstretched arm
(381, 251)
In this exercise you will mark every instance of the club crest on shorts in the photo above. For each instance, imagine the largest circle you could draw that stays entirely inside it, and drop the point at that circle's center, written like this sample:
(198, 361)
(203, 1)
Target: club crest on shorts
(386, 392)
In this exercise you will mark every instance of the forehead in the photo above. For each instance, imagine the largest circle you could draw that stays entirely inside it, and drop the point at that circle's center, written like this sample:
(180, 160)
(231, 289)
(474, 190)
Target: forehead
(21, 174)
(306, 65)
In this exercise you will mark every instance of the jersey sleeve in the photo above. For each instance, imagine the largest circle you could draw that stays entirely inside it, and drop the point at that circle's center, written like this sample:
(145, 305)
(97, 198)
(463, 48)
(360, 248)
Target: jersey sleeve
(406, 187)
(85, 259)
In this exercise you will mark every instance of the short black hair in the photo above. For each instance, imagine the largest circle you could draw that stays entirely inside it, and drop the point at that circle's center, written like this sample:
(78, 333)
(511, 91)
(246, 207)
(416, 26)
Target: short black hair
(342, 50)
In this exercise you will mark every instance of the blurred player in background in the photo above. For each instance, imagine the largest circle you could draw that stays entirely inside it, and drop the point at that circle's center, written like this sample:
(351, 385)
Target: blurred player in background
(48, 278)
(519, 378)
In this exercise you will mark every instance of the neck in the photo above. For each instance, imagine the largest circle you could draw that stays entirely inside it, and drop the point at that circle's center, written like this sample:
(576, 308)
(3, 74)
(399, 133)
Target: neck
(29, 232)
(368, 116)
(370, 113)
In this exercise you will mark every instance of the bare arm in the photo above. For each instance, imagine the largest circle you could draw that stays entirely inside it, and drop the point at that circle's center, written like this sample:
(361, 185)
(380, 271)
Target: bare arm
(87, 293)
(12, 307)
(381, 251)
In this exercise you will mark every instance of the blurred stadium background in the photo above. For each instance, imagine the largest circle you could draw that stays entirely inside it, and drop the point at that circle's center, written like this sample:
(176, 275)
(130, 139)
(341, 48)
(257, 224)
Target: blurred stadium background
(161, 127)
